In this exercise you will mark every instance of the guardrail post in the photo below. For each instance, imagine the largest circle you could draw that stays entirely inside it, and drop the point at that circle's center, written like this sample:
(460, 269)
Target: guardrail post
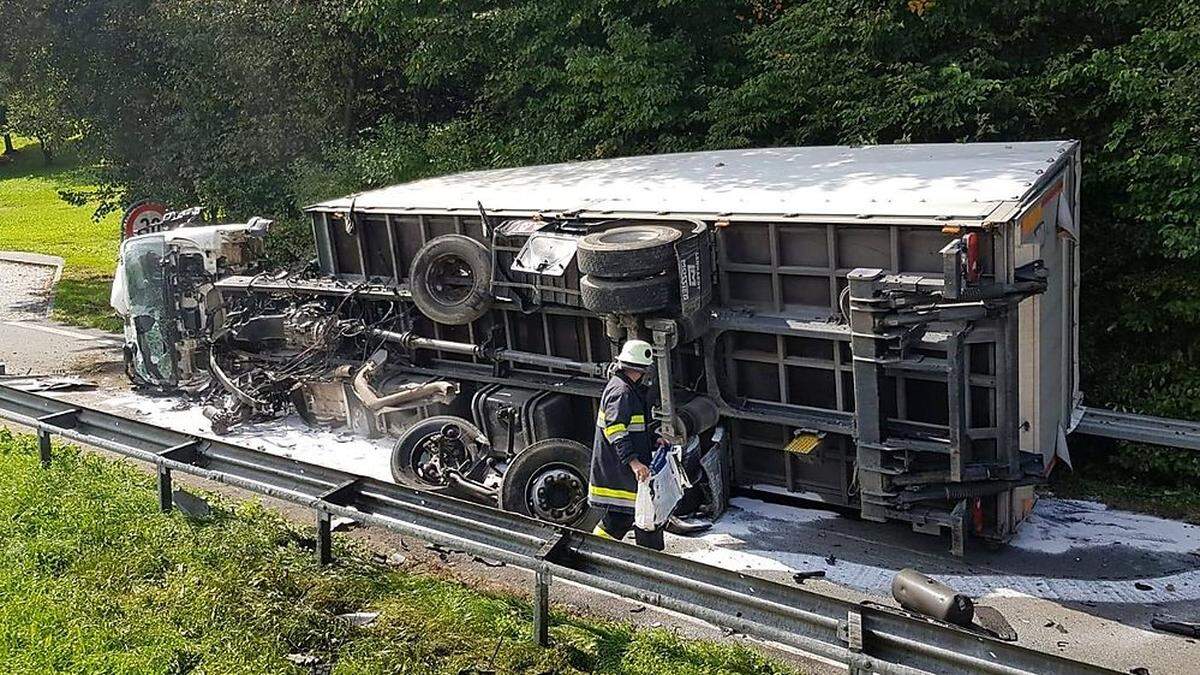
(165, 501)
(324, 537)
(44, 447)
(541, 606)
(341, 495)
(66, 419)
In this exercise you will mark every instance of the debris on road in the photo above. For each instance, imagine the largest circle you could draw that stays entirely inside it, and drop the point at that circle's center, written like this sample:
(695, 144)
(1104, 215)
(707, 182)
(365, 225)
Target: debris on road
(1177, 626)
(992, 622)
(801, 577)
(49, 383)
(341, 524)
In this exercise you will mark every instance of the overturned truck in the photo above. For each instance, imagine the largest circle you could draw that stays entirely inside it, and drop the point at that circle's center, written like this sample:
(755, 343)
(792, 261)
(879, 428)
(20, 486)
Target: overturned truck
(887, 328)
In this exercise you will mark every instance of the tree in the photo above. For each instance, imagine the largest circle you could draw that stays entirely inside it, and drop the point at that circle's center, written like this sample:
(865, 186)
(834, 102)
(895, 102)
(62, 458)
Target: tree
(5, 130)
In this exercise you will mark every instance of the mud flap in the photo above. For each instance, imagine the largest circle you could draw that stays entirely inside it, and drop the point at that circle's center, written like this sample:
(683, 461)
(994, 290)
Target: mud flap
(716, 469)
(1061, 451)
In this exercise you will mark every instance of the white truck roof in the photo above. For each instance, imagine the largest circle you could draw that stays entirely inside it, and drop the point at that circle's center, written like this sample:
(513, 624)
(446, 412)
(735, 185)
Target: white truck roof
(957, 180)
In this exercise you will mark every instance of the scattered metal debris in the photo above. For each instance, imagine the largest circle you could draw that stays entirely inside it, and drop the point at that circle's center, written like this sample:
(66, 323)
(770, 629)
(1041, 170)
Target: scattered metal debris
(992, 622)
(801, 577)
(50, 383)
(443, 552)
(341, 524)
(1178, 626)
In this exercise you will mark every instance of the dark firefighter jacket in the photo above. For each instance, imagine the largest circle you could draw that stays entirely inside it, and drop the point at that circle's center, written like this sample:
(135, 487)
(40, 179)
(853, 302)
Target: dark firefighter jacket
(621, 435)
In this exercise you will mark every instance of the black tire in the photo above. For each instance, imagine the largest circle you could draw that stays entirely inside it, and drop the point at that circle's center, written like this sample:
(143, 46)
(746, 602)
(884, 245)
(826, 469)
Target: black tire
(557, 468)
(451, 278)
(630, 252)
(409, 448)
(628, 296)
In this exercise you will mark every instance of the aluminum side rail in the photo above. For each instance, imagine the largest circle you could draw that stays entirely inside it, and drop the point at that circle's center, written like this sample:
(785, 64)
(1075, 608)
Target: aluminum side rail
(1139, 428)
(865, 637)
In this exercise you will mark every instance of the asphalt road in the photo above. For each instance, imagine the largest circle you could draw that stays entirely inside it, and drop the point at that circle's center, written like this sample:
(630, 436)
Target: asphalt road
(1080, 580)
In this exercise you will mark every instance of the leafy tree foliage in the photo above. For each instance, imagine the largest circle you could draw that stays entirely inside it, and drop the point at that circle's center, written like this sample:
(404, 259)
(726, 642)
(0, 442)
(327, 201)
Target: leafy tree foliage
(262, 105)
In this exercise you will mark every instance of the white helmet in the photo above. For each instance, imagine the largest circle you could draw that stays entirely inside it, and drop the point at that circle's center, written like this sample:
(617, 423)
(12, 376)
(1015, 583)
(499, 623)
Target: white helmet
(636, 354)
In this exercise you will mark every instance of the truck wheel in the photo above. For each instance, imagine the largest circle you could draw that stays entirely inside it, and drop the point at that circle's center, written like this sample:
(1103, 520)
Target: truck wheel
(451, 278)
(628, 252)
(628, 296)
(423, 454)
(548, 481)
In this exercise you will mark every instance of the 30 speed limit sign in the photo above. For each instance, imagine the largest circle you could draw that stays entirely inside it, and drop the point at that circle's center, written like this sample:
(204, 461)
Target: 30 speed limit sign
(142, 217)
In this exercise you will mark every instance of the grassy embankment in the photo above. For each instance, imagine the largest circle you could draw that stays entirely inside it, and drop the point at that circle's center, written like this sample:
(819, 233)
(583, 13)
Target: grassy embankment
(33, 217)
(94, 579)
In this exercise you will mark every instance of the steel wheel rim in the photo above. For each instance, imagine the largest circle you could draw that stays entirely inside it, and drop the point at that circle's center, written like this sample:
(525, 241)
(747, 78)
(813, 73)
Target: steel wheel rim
(556, 494)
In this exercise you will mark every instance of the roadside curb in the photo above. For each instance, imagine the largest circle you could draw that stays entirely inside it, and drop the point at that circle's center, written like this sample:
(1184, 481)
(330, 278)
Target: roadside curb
(36, 259)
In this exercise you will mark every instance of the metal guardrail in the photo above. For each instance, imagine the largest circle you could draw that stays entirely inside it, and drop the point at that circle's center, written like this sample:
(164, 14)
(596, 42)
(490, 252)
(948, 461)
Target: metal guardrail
(1139, 428)
(867, 638)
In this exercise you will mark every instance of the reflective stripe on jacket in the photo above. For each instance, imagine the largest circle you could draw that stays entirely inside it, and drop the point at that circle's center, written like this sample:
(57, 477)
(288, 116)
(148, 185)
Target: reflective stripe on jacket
(621, 436)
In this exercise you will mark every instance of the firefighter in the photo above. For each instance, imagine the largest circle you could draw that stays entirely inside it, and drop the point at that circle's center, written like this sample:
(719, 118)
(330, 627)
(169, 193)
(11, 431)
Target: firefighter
(622, 447)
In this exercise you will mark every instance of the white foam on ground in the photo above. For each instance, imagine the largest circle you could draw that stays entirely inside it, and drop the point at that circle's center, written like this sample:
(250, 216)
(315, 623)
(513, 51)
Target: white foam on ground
(1056, 526)
(1183, 586)
(1059, 525)
(287, 437)
(756, 509)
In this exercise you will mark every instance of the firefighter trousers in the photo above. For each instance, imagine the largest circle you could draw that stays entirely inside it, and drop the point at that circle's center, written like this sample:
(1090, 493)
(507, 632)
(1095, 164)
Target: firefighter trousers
(616, 524)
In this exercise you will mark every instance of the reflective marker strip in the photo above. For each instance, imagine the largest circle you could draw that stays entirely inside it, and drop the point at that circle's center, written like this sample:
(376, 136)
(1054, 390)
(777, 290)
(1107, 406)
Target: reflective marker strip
(614, 431)
(612, 493)
(803, 444)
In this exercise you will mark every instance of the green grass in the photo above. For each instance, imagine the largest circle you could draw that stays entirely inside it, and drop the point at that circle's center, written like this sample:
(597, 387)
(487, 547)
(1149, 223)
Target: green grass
(94, 579)
(35, 218)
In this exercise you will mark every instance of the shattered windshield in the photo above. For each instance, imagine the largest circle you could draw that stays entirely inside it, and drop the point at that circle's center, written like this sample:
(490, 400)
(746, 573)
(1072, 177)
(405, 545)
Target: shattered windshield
(151, 317)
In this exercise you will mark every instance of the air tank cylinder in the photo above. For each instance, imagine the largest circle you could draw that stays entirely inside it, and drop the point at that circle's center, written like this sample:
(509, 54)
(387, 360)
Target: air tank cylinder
(923, 595)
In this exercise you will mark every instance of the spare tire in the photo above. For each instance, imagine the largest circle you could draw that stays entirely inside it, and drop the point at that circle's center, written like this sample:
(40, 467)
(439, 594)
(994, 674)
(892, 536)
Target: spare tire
(549, 481)
(451, 279)
(628, 296)
(628, 252)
